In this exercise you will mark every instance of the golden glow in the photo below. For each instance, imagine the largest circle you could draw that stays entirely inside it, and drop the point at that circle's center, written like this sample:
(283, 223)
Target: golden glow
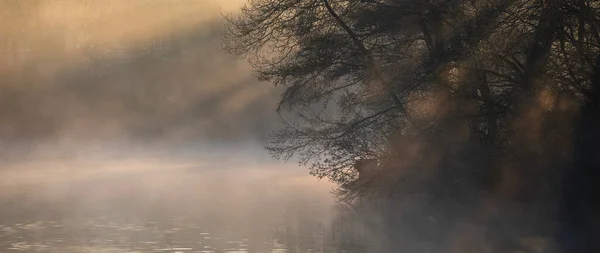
(35, 30)
(107, 68)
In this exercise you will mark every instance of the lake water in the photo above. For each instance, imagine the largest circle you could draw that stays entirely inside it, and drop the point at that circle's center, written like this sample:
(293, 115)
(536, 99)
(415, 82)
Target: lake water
(109, 234)
(164, 208)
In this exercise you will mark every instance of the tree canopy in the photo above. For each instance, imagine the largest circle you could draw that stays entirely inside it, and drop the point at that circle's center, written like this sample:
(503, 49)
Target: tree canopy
(359, 73)
(443, 90)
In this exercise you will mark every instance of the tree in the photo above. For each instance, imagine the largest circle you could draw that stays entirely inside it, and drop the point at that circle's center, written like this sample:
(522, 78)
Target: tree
(450, 97)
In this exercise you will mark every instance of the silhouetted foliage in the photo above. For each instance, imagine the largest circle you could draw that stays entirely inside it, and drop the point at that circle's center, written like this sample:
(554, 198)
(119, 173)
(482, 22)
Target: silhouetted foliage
(487, 110)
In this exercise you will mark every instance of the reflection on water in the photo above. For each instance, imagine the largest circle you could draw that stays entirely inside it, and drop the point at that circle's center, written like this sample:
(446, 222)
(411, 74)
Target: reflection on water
(111, 234)
(148, 209)
(108, 234)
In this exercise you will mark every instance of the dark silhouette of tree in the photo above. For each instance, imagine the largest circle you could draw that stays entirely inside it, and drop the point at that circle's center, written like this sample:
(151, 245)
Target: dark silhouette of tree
(487, 111)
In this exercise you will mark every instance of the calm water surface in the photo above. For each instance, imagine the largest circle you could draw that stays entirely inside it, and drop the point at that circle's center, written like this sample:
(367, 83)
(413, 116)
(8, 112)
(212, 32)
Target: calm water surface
(192, 209)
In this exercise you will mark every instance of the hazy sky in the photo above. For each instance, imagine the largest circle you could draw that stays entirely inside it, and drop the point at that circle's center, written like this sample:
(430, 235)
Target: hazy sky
(135, 71)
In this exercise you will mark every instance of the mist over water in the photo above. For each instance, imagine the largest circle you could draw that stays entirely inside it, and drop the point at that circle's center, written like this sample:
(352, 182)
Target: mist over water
(125, 128)
(449, 126)
(223, 202)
